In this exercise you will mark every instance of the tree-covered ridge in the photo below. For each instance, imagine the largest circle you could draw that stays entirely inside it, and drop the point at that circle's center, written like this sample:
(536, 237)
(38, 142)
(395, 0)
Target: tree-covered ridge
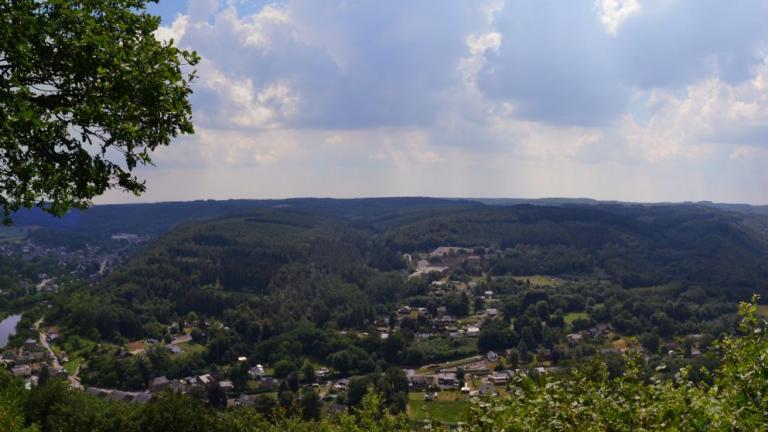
(102, 221)
(310, 261)
(635, 245)
(297, 267)
(733, 399)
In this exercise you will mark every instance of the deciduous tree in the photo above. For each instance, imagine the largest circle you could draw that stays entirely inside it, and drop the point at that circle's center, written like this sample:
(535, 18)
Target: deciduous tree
(87, 92)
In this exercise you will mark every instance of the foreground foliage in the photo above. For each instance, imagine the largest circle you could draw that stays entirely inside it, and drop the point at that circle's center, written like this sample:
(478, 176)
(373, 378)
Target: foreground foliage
(590, 401)
(86, 94)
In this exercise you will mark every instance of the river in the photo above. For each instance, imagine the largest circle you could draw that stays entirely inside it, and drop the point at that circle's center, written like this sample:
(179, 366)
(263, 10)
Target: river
(8, 328)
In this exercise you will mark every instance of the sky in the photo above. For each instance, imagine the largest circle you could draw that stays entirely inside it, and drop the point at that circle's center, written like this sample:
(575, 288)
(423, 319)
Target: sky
(635, 100)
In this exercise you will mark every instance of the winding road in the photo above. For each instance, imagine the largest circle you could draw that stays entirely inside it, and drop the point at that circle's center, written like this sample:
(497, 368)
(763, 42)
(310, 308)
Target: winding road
(73, 379)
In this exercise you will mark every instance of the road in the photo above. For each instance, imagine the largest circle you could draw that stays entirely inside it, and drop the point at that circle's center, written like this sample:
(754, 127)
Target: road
(103, 266)
(181, 339)
(43, 283)
(73, 379)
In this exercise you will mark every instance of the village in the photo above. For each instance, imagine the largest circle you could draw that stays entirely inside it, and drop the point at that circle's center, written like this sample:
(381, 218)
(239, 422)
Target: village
(86, 260)
(438, 389)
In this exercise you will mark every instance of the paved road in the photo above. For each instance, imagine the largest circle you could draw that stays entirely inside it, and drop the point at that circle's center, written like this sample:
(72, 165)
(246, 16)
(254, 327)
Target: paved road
(181, 339)
(73, 379)
(44, 343)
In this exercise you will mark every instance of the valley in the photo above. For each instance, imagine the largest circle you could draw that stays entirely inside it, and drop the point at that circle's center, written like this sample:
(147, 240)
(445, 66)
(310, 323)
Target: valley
(432, 303)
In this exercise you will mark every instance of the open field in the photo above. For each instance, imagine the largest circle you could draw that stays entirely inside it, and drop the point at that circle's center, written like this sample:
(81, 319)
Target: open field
(541, 281)
(573, 316)
(191, 348)
(432, 367)
(449, 411)
(72, 364)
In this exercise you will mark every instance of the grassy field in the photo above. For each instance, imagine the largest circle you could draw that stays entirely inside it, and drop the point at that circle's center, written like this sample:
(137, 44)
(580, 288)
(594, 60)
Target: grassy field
(449, 411)
(191, 348)
(430, 368)
(540, 281)
(72, 364)
(573, 316)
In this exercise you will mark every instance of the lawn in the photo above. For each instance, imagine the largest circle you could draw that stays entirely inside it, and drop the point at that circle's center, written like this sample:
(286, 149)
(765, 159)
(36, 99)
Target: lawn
(431, 367)
(540, 281)
(573, 316)
(445, 349)
(619, 344)
(449, 411)
(191, 348)
(72, 364)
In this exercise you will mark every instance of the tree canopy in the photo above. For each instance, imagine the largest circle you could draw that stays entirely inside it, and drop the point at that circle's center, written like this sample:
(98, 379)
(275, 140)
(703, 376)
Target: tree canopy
(87, 92)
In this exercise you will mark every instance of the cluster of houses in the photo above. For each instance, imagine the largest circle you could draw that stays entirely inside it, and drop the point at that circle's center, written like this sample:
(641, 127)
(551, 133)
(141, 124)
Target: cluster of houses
(257, 373)
(28, 361)
(87, 259)
(440, 260)
(442, 323)
(599, 330)
(188, 384)
(130, 238)
(479, 368)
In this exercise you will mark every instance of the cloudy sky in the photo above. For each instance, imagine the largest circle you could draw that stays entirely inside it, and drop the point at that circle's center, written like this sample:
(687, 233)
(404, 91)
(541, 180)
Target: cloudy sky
(641, 100)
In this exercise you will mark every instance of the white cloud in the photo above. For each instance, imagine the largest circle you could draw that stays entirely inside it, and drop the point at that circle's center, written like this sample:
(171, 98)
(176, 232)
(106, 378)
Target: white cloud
(479, 44)
(230, 148)
(744, 152)
(175, 31)
(709, 114)
(254, 30)
(614, 12)
(238, 103)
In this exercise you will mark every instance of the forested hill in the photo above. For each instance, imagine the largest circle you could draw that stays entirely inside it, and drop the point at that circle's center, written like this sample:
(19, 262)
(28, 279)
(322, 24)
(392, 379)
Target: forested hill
(281, 283)
(635, 245)
(263, 250)
(100, 222)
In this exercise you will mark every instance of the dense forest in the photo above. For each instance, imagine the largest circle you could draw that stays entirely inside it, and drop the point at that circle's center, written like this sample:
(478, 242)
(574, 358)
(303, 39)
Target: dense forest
(340, 262)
